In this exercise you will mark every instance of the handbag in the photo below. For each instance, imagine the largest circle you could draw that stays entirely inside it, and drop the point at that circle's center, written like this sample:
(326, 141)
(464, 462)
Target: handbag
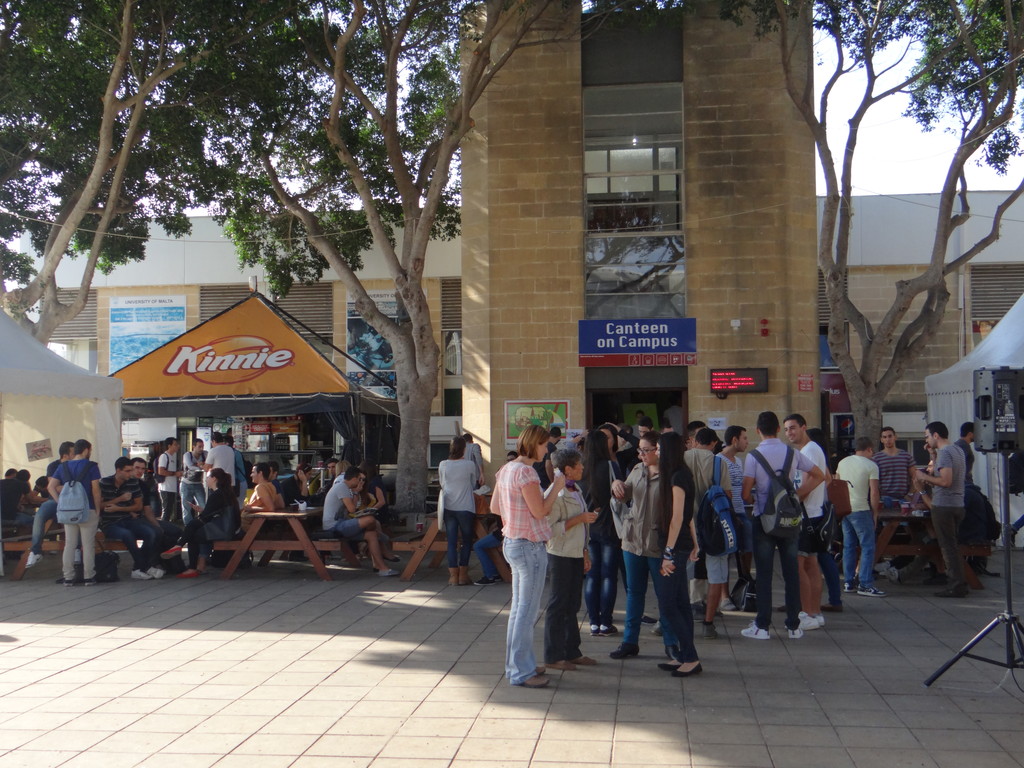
(817, 533)
(838, 493)
(742, 593)
(620, 509)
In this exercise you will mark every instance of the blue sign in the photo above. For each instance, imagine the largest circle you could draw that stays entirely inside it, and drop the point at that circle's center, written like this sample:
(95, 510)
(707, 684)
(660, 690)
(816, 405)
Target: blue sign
(638, 342)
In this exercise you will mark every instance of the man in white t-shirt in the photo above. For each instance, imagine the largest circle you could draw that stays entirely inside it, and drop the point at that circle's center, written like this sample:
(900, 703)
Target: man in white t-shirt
(221, 456)
(168, 474)
(861, 473)
(795, 427)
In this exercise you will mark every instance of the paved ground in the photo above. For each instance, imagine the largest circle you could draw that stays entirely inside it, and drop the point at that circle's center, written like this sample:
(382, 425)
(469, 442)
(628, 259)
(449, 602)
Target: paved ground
(276, 669)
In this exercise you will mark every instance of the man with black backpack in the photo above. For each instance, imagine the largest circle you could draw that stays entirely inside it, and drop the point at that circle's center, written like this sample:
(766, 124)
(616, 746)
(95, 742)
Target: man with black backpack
(774, 492)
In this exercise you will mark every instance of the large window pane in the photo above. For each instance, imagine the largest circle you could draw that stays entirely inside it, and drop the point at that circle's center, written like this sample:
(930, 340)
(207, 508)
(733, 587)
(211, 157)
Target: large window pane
(634, 250)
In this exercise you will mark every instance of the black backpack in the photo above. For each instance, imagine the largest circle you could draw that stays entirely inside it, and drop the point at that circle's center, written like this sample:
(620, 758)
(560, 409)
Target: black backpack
(1015, 472)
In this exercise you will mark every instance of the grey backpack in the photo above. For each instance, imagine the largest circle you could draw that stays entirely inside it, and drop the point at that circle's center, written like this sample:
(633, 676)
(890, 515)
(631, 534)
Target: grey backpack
(783, 511)
(73, 501)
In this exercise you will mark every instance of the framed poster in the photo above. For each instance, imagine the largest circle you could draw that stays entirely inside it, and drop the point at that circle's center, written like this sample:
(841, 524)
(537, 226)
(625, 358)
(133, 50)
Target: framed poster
(140, 324)
(519, 414)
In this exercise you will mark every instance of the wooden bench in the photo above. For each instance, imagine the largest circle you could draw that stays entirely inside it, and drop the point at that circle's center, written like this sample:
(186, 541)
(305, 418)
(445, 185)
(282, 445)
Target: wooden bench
(270, 547)
(53, 541)
(886, 548)
(433, 540)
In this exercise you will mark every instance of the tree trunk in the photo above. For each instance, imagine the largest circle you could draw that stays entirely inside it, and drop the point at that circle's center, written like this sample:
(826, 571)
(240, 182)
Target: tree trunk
(416, 376)
(867, 415)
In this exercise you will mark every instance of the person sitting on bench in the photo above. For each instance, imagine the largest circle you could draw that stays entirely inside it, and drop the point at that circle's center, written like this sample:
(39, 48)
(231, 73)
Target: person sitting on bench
(340, 518)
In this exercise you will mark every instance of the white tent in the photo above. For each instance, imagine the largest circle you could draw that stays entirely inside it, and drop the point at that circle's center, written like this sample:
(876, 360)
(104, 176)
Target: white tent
(43, 396)
(951, 392)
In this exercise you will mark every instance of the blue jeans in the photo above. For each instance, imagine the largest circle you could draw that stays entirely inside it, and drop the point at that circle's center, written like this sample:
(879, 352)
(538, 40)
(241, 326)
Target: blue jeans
(859, 528)
(47, 511)
(130, 530)
(764, 561)
(829, 569)
(744, 532)
(191, 492)
(528, 561)
(674, 604)
(602, 581)
(457, 522)
(637, 570)
(490, 541)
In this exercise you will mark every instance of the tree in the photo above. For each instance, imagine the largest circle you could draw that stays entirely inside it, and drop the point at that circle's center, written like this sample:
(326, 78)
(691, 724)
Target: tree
(349, 129)
(98, 133)
(966, 75)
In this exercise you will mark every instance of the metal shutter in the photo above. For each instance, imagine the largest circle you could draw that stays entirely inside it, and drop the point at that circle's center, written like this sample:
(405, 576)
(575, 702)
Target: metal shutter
(994, 289)
(309, 304)
(81, 327)
(451, 303)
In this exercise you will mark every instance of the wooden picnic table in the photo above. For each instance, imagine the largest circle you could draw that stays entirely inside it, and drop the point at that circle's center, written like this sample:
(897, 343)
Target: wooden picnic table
(916, 527)
(434, 541)
(300, 542)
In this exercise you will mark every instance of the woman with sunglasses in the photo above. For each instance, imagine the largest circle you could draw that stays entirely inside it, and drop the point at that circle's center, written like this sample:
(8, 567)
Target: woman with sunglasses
(641, 544)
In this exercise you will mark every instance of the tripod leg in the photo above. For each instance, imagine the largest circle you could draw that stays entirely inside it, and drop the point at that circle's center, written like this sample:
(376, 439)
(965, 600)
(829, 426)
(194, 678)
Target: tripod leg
(963, 651)
(1018, 635)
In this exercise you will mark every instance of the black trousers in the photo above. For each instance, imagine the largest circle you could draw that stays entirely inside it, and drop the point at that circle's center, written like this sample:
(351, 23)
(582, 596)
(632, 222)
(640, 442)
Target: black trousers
(561, 619)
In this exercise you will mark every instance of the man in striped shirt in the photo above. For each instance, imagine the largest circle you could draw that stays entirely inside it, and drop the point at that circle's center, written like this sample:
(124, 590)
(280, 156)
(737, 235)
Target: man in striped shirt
(895, 470)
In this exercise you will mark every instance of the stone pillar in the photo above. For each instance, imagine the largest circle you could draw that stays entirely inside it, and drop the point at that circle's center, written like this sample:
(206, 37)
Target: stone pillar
(522, 242)
(751, 222)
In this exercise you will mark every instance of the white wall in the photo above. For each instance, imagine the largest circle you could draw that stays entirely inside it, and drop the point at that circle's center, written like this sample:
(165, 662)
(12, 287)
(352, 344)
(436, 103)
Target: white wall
(898, 229)
(208, 257)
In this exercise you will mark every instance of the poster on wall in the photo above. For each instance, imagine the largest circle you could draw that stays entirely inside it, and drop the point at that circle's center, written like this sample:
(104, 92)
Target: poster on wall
(519, 414)
(140, 324)
(371, 352)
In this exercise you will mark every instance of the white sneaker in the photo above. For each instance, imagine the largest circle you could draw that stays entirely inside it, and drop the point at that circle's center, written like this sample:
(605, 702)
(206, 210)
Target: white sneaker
(796, 634)
(33, 558)
(807, 623)
(727, 606)
(893, 574)
(388, 572)
(156, 573)
(141, 575)
(754, 632)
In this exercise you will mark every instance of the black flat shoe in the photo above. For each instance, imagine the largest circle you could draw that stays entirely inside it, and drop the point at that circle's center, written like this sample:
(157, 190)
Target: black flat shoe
(666, 667)
(625, 650)
(695, 671)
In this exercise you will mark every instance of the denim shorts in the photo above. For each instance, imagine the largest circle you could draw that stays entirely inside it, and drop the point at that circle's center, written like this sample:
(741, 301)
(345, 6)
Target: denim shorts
(718, 568)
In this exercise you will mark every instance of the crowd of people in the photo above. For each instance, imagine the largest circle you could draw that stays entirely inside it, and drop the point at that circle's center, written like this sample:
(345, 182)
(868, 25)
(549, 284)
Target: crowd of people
(618, 503)
(580, 515)
(168, 510)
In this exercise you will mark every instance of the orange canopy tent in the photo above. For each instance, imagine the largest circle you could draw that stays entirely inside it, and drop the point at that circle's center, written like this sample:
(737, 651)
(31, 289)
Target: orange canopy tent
(247, 361)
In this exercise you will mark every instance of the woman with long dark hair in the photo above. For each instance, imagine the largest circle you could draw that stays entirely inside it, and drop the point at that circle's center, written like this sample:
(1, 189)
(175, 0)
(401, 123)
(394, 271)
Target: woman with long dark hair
(642, 544)
(826, 560)
(599, 471)
(679, 546)
(221, 509)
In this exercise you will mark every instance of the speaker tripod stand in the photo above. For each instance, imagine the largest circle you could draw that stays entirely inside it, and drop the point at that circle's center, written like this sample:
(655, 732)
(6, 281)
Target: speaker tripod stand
(1007, 619)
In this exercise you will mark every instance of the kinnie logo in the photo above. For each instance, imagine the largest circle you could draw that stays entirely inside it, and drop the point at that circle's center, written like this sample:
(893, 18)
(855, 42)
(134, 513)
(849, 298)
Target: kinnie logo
(230, 360)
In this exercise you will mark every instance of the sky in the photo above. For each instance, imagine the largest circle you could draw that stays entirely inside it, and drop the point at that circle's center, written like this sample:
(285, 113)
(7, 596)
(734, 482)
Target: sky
(894, 155)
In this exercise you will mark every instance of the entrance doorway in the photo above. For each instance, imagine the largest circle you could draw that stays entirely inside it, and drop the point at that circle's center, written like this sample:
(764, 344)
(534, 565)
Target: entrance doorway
(625, 406)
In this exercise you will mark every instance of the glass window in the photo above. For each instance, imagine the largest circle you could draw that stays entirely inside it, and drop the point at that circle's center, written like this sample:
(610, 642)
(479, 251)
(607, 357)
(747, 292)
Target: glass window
(633, 164)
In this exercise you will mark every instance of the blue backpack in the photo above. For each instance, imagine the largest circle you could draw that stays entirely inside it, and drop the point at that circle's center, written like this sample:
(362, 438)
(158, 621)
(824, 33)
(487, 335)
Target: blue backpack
(716, 533)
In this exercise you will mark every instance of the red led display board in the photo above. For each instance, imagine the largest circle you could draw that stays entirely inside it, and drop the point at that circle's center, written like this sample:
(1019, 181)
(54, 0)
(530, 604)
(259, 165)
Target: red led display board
(725, 380)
